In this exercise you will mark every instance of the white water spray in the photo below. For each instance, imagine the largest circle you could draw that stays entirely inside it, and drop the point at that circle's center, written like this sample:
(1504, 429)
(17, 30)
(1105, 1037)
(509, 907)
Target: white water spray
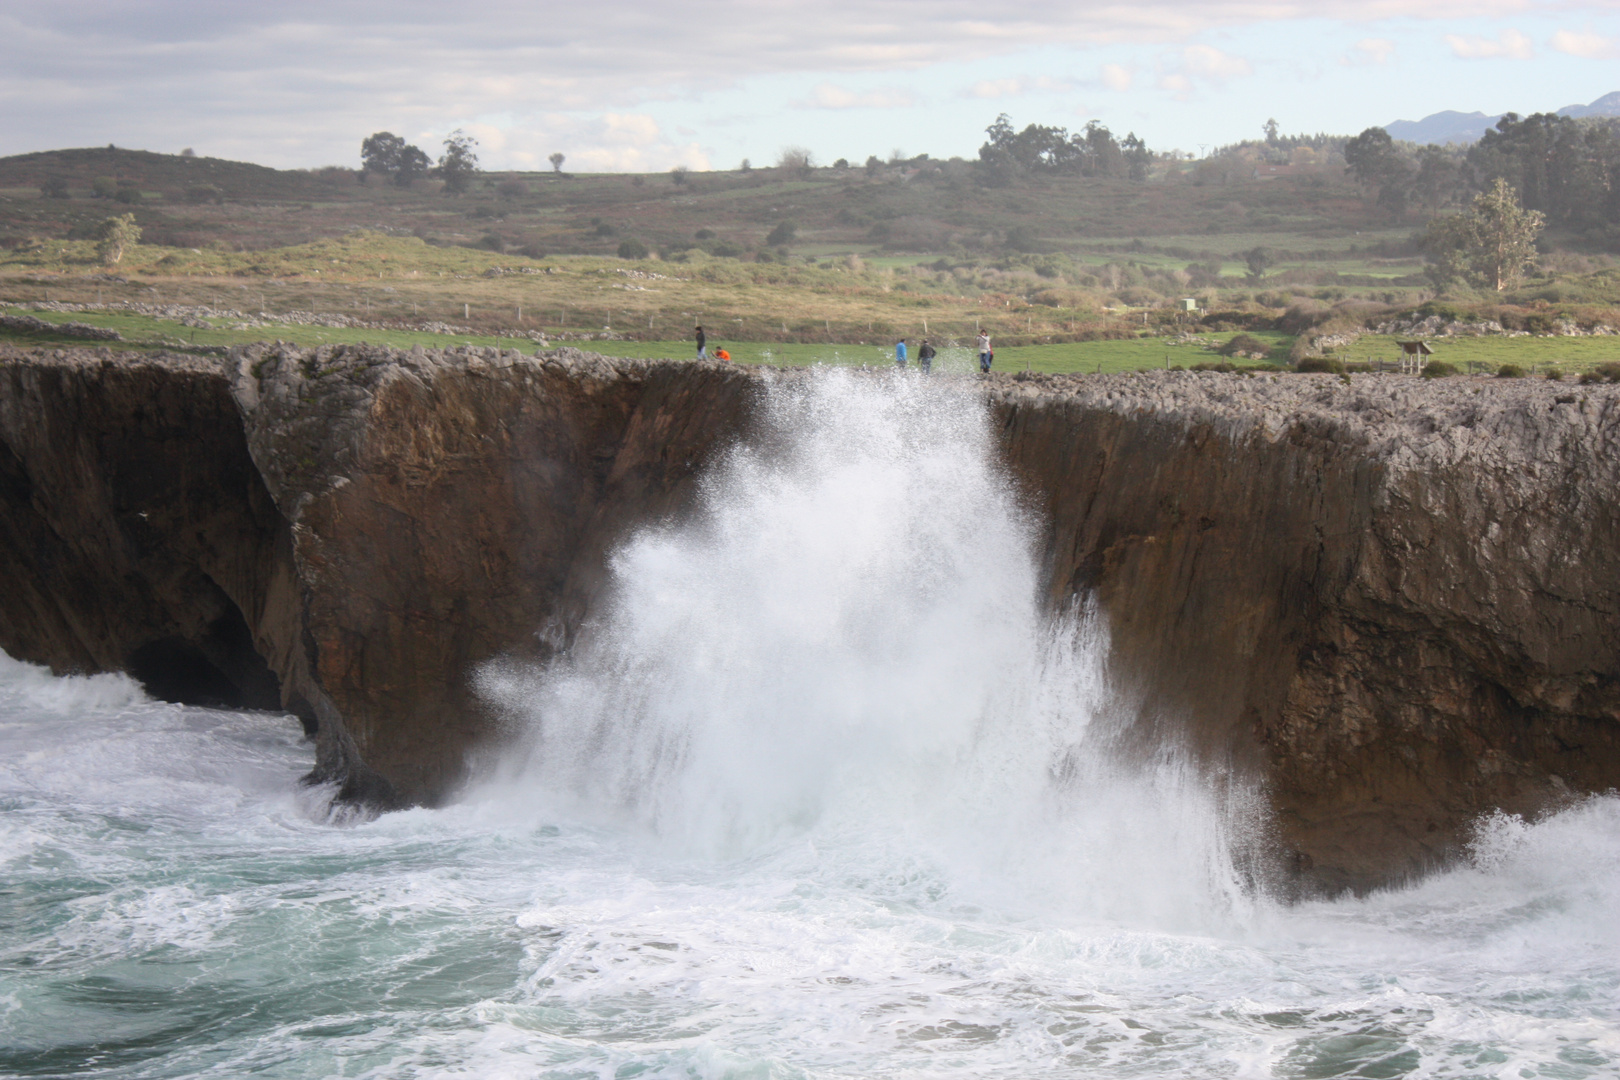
(845, 644)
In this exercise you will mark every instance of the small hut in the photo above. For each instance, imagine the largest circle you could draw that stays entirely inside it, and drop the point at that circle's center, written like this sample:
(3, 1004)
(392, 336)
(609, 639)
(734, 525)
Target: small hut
(1413, 355)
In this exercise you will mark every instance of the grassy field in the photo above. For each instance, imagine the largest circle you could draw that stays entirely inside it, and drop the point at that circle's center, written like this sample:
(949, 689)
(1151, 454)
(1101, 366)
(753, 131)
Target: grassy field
(1066, 274)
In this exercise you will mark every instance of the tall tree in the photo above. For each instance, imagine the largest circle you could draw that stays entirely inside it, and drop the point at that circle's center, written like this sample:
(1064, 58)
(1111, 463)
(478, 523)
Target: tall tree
(459, 162)
(1493, 245)
(556, 161)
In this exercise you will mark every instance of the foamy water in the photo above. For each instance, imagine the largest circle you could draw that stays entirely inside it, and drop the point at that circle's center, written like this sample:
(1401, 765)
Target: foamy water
(820, 793)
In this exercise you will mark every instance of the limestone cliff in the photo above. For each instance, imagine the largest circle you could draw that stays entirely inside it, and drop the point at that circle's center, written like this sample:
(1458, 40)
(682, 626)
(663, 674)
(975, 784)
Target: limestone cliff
(1394, 601)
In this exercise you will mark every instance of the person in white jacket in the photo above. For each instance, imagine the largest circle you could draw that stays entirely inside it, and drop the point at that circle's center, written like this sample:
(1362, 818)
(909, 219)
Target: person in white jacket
(985, 355)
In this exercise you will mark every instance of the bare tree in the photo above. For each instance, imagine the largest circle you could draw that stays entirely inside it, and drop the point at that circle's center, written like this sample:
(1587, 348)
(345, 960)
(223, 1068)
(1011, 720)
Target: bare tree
(459, 162)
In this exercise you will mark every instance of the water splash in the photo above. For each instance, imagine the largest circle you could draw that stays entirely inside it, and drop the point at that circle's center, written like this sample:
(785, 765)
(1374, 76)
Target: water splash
(845, 644)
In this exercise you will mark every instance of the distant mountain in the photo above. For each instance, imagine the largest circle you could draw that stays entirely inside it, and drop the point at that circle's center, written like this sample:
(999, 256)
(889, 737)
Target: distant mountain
(1443, 127)
(1457, 127)
(1607, 105)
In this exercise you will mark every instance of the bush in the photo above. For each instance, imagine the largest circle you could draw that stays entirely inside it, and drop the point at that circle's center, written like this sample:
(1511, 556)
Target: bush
(204, 193)
(784, 233)
(104, 187)
(1246, 344)
(1510, 371)
(632, 249)
(1321, 364)
(1552, 374)
(1438, 369)
(129, 196)
(54, 188)
(1224, 366)
(1610, 372)
(511, 188)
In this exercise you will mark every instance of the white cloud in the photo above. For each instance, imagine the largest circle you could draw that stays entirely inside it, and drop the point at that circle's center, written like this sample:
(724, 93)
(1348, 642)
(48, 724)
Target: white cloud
(1369, 52)
(1117, 77)
(1201, 63)
(1208, 62)
(1586, 45)
(830, 96)
(1508, 45)
(1000, 88)
(300, 82)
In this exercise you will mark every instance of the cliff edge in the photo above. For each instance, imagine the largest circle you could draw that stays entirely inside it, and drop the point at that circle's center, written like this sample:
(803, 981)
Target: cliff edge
(1393, 601)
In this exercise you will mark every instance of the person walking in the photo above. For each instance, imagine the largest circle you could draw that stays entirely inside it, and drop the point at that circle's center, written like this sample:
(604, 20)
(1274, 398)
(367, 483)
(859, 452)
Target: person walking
(702, 342)
(985, 355)
(925, 357)
(900, 354)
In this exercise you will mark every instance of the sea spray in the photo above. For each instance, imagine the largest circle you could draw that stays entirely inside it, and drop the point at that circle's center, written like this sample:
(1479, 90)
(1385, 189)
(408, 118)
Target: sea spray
(845, 642)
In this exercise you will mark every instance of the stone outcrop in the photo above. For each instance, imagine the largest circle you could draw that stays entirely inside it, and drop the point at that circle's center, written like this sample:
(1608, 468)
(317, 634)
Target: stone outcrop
(1394, 601)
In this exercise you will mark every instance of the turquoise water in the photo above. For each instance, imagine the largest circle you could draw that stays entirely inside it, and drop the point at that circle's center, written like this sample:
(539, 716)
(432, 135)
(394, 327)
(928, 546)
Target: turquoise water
(818, 794)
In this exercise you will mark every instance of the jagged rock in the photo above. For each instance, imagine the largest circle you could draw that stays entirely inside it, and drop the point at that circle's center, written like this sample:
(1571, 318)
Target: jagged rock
(1395, 601)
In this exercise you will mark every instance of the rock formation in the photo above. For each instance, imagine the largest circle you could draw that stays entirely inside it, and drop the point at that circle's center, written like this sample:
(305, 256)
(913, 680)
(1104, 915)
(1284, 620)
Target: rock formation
(1394, 601)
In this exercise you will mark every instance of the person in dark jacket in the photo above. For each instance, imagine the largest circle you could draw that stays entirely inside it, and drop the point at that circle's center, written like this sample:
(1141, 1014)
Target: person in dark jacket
(703, 342)
(925, 357)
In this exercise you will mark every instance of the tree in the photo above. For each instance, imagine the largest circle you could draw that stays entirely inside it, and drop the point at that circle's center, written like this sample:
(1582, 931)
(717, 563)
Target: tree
(556, 161)
(379, 154)
(386, 154)
(795, 161)
(114, 236)
(459, 162)
(413, 165)
(784, 233)
(677, 175)
(55, 187)
(1373, 159)
(1258, 260)
(632, 249)
(1506, 236)
(1492, 245)
(1272, 129)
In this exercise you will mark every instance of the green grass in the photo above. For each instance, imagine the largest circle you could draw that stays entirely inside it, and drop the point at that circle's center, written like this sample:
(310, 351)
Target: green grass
(1569, 353)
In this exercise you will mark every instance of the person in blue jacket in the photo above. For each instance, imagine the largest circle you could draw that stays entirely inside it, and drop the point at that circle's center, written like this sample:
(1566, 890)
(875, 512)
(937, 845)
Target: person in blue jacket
(900, 353)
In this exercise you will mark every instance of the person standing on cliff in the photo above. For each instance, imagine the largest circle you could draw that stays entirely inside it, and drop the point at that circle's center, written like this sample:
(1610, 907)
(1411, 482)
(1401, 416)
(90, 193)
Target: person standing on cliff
(925, 357)
(985, 355)
(702, 342)
(900, 354)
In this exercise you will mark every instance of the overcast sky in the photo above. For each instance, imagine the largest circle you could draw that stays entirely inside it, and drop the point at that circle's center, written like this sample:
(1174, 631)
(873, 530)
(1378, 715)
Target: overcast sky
(649, 84)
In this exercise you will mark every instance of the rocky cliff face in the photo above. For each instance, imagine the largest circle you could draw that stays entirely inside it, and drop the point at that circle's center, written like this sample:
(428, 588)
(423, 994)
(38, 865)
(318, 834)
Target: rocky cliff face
(1396, 602)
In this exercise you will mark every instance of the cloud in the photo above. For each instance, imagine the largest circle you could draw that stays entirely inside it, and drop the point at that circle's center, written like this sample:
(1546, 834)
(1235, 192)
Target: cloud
(1369, 52)
(1117, 77)
(1508, 45)
(829, 96)
(1000, 88)
(1204, 63)
(300, 82)
(1208, 62)
(1586, 45)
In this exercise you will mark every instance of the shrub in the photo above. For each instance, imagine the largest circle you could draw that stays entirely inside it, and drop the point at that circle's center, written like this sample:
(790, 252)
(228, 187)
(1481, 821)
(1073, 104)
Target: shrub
(204, 193)
(784, 233)
(1246, 344)
(1552, 374)
(1610, 372)
(104, 187)
(515, 189)
(1224, 366)
(54, 188)
(632, 249)
(1438, 369)
(114, 235)
(1323, 364)
(1510, 371)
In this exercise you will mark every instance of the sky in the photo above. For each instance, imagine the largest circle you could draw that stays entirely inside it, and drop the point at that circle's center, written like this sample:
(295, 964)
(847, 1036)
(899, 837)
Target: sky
(647, 85)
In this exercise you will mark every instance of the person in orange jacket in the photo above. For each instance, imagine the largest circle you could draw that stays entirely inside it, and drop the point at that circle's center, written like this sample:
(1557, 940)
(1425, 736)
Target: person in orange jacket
(721, 354)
